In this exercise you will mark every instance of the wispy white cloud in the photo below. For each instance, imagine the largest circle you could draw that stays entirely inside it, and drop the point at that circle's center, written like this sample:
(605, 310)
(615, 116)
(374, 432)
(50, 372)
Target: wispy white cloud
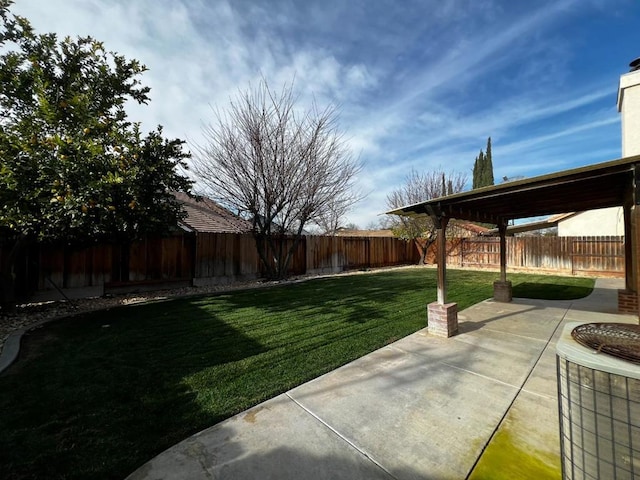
(420, 84)
(466, 60)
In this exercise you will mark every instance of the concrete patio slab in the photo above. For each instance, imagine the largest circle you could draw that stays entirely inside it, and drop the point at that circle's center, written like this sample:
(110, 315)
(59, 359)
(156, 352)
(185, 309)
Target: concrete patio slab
(483, 353)
(481, 404)
(419, 408)
(277, 439)
(531, 319)
(526, 445)
(542, 379)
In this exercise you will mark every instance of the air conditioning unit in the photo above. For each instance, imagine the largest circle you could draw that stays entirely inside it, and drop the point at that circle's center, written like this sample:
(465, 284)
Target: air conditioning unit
(599, 401)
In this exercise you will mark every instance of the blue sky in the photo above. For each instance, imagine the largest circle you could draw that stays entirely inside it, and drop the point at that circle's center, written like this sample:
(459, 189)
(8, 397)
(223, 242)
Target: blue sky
(420, 84)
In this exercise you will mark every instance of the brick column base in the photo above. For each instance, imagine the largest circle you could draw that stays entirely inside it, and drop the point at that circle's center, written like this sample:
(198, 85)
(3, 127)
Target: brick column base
(502, 291)
(628, 302)
(442, 319)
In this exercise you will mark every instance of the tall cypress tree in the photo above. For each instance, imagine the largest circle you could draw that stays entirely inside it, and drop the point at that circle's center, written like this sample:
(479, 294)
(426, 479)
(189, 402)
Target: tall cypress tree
(478, 170)
(488, 170)
(483, 168)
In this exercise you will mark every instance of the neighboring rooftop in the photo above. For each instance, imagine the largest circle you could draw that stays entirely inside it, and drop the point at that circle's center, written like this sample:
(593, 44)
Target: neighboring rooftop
(471, 229)
(533, 226)
(206, 216)
(464, 229)
(351, 232)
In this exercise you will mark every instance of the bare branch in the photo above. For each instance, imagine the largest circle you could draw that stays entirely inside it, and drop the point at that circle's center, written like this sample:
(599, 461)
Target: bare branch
(281, 167)
(417, 188)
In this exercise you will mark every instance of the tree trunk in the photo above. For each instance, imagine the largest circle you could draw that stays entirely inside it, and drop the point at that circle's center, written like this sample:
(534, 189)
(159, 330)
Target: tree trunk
(8, 276)
(7, 290)
(262, 247)
(424, 250)
(421, 250)
(290, 252)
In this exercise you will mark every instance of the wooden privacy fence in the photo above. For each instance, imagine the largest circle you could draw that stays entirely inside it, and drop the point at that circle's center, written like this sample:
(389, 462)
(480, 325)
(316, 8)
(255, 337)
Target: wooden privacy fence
(596, 256)
(211, 258)
(198, 259)
(226, 257)
(45, 267)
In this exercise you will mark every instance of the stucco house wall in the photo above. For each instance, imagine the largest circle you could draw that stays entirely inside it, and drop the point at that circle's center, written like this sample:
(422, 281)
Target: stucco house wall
(629, 107)
(610, 221)
(605, 221)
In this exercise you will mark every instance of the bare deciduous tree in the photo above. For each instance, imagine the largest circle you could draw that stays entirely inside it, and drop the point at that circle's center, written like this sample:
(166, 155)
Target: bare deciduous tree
(333, 214)
(419, 187)
(280, 167)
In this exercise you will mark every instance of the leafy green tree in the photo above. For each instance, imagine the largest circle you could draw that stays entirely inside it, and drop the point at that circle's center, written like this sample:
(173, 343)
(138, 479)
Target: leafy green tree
(72, 167)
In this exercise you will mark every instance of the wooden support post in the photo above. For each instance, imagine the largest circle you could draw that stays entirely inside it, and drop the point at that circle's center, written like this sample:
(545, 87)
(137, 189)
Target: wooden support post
(502, 228)
(442, 316)
(441, 227)
(628, 299)
(502, 289)
(629, 271)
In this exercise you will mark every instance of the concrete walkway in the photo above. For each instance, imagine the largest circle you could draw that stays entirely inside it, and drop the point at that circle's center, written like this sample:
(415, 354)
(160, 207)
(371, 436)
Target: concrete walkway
(481, 404)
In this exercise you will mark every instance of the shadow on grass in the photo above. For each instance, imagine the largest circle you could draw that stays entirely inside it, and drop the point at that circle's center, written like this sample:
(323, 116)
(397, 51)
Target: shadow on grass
(555, 291)
(94, 396)
(355, 298)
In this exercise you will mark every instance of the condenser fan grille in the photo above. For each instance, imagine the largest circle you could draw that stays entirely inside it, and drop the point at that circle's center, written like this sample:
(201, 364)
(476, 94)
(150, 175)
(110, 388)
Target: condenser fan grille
(621, 340)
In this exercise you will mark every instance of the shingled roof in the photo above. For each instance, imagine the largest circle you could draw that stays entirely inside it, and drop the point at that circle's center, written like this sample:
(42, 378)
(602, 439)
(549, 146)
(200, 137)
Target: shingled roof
(206, 216)
(351, 232)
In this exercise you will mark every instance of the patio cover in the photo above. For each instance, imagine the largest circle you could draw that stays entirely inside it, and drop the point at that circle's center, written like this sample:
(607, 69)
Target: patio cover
(608, 184)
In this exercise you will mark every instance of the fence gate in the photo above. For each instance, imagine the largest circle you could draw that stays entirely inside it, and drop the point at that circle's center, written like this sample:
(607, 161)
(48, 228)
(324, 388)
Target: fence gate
(479, 252)
(603, 255)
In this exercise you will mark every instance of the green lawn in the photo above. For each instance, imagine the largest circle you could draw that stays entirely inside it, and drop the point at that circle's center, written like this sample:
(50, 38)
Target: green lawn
(97, 395)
